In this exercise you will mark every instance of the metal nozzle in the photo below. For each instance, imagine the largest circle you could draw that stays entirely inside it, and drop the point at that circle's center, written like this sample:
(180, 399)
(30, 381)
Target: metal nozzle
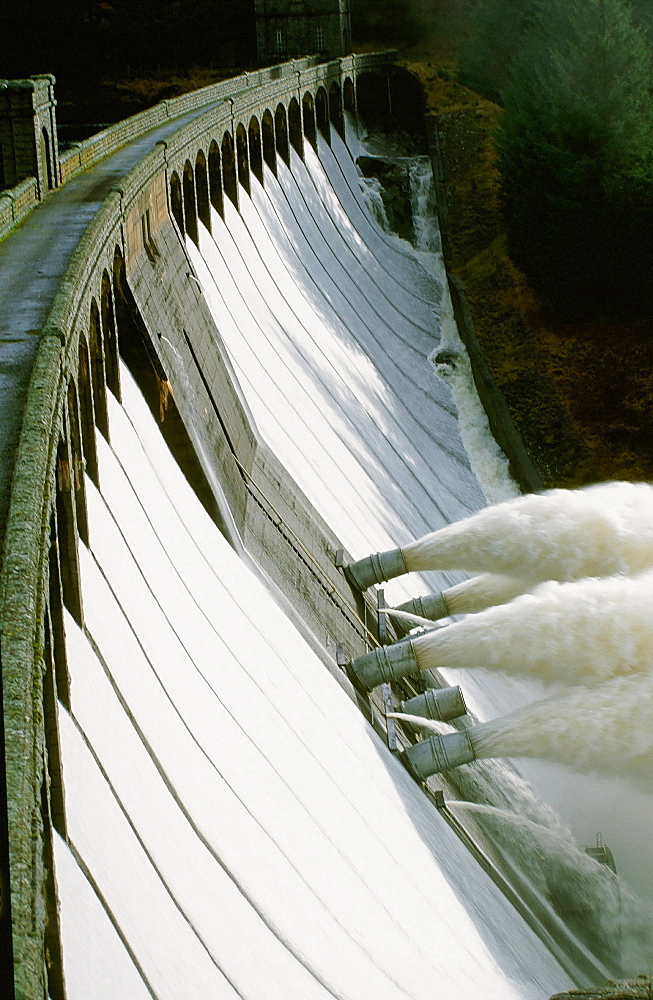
(440, 753)
(376, 568)
(436, 703)
(432, 606)
(388, 663)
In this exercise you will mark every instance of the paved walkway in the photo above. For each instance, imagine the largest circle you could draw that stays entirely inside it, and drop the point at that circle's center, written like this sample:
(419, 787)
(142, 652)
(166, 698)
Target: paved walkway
(33, 259)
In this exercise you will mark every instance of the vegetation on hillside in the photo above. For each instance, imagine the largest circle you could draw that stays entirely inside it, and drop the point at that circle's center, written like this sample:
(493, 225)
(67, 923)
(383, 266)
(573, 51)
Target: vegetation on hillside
(576, 157)
(576, 143)
(580, 391)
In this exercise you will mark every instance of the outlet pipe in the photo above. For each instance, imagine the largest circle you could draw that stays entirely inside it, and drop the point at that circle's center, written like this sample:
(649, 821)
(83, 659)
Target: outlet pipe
(385, 664)
(440, 753)
(437, 703)
(432, 606)
(376, 568)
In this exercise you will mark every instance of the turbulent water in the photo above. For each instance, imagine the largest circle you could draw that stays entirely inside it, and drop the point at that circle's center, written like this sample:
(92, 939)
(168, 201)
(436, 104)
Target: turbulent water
(372, 191)
(605, 914)
(426, 233)
(558, 535)
(595, 631)
(487, 460)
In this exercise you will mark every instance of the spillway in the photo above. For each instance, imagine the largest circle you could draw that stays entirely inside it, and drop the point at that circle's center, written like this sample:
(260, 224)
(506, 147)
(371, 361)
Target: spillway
(235, 827)
(227, 822)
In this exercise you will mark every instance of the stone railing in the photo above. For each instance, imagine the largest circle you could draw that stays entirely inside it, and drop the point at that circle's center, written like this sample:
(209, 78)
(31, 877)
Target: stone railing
(17, 202)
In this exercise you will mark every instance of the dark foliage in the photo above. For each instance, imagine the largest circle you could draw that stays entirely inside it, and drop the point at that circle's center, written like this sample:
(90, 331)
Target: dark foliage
(384, 22)
(91, 37)
(576, 157)
(497, 29)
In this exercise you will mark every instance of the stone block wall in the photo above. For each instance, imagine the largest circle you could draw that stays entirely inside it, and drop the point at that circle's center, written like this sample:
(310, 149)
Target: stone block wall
(28, 132)
(287, 28)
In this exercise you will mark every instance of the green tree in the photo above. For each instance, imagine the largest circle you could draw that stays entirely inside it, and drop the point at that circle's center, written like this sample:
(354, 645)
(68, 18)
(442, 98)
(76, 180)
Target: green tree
(384, 22)
(643, 16)
(576, 156)
(495, 33)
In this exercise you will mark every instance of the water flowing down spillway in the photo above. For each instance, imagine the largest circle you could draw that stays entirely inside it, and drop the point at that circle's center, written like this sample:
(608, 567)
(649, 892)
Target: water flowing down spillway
(330, 323)
(236, 829)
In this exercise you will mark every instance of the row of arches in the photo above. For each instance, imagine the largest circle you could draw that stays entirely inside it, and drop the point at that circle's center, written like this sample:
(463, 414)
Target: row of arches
(93, 372)
(219, 171)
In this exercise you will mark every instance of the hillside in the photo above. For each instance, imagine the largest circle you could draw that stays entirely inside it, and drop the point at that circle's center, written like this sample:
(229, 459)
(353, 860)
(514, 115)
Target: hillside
(580, 394)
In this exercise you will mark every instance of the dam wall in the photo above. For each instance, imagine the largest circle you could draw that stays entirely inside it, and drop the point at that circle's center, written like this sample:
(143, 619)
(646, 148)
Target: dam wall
(226, 383)
(60, 404)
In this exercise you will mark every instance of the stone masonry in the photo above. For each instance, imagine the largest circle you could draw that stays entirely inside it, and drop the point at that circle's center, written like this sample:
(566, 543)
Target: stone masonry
(28, 132)
(293, 27)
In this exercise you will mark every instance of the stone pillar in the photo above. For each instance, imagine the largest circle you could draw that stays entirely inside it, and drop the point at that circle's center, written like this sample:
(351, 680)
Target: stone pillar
(28, 132)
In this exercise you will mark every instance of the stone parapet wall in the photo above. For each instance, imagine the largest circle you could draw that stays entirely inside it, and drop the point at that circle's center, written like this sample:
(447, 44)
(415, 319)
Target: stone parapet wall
(302, 72)
(16, 203)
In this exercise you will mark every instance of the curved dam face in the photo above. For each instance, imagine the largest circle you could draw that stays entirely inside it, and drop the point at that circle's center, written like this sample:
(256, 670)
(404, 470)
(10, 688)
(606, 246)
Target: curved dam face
(235, 828)
(249, 393)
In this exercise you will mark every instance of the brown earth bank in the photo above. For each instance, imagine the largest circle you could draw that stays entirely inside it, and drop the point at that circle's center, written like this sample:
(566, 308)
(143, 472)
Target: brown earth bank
(579, 393)
(640, 988)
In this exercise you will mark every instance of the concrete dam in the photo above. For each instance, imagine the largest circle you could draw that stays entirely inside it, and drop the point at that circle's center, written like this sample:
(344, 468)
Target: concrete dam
(216, 391)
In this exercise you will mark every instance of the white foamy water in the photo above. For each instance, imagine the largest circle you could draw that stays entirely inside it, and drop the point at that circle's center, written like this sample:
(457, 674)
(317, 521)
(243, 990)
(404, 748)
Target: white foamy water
(584, 729)
(557, 535)
(424, 209)
(372, 192)
(490, 465)
(235, 827)
(586, 632)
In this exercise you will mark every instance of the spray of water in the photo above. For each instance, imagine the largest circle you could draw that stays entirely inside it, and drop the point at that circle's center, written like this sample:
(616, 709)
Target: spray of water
(482, 592)
(407, 616)
(426, 233)
(586, 631)
(591, 898)
(606, 729)
(488, 462)
(452, 364)
(560, 838)
(372, 191)
(557, 535)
